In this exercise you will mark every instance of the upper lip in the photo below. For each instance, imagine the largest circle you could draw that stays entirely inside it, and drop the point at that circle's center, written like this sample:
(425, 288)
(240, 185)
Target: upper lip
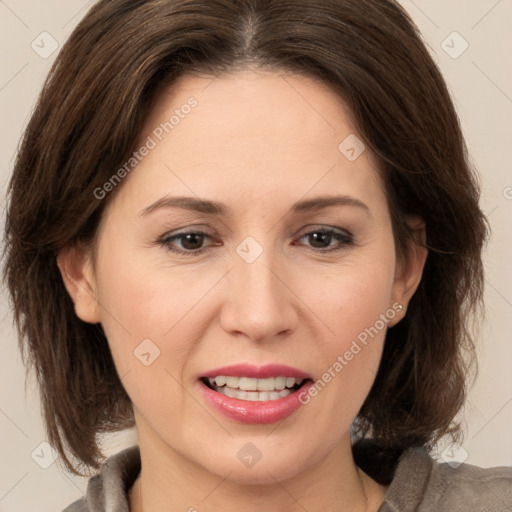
(257, 372)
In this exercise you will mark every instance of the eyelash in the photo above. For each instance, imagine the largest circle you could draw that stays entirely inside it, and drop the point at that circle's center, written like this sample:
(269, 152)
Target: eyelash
(346, 240)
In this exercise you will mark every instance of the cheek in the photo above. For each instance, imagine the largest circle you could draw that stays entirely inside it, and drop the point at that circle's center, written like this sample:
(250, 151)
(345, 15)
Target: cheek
(355, 305)
(154, 301)
(145, 316)
(353, 299)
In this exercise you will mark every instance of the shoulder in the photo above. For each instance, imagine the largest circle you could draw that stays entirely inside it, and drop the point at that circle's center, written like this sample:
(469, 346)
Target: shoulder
(424, 485)
(467, 487)
(108, 490)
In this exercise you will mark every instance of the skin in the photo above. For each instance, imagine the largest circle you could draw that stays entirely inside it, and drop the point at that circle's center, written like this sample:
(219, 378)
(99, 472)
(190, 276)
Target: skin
(257, 141)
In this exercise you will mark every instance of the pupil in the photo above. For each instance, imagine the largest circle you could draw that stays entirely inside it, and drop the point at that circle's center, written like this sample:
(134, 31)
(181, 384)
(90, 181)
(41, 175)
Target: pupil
(187, 242)
(322, 237)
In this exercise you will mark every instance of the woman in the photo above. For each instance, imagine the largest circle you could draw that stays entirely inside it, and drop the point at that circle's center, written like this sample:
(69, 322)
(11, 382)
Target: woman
(306, 352)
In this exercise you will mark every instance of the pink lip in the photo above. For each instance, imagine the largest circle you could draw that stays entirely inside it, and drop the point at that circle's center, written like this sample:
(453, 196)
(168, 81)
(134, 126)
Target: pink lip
(245, 411)
(257, 372)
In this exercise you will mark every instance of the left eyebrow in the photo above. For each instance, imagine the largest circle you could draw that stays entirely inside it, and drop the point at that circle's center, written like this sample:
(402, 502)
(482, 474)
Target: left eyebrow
(318, 203)
(215, 208)
(189, 203)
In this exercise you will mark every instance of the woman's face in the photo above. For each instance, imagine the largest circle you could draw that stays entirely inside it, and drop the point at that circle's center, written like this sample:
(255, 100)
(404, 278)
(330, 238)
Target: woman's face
(293, 265)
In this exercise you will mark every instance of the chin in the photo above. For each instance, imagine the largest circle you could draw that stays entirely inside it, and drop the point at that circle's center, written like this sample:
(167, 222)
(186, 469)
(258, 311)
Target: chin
(262, 473)
(258, 462)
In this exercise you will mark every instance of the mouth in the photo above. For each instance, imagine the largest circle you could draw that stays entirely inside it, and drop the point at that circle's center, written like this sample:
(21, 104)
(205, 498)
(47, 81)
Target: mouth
(252, 389)
(254, 394)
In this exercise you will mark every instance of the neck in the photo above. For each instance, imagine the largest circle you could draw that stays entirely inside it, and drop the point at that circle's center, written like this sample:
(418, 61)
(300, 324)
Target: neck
(170, 481)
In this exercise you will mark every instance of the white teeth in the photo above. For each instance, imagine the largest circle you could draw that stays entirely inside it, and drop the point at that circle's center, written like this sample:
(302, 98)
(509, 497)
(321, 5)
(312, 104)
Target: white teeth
(232, 382)
(266, 384)
(251, 389)
(247, 384)
(252, 396)
(229, 391)
(280, 382)
(220, 381)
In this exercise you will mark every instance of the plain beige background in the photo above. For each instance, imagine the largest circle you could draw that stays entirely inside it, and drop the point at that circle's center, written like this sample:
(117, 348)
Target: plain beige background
(471, 40)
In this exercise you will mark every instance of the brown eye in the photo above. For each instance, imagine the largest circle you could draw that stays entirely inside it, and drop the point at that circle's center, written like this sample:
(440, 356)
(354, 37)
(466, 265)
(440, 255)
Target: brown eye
(191, 241)
(186, 243)
(321, 240)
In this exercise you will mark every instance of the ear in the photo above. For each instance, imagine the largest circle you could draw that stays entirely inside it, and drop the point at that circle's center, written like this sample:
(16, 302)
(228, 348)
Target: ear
(75, 265)
(410, 269)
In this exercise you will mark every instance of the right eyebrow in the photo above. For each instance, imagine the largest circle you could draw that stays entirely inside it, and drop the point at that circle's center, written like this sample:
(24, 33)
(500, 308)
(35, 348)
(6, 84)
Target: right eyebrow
(188, 203)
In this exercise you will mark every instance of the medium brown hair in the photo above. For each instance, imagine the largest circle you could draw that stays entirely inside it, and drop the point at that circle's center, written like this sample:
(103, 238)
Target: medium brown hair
(86, 124)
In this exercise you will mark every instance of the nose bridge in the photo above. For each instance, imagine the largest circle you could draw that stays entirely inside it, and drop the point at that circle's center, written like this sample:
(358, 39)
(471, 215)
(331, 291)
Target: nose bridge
(258, 302)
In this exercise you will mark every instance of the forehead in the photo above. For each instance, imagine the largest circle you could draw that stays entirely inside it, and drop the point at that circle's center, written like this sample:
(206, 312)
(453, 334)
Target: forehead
(264, 135)
(251, 106)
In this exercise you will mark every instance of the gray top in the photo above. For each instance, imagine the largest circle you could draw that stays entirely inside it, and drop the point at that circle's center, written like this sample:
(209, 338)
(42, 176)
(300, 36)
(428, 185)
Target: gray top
(418, 484)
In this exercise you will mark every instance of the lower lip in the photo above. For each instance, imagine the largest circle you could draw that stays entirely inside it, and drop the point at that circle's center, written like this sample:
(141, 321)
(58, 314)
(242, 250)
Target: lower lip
(245, 411)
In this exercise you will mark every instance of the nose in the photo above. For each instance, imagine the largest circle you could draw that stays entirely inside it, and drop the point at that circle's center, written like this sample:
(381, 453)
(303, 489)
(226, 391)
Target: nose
(258, 302)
